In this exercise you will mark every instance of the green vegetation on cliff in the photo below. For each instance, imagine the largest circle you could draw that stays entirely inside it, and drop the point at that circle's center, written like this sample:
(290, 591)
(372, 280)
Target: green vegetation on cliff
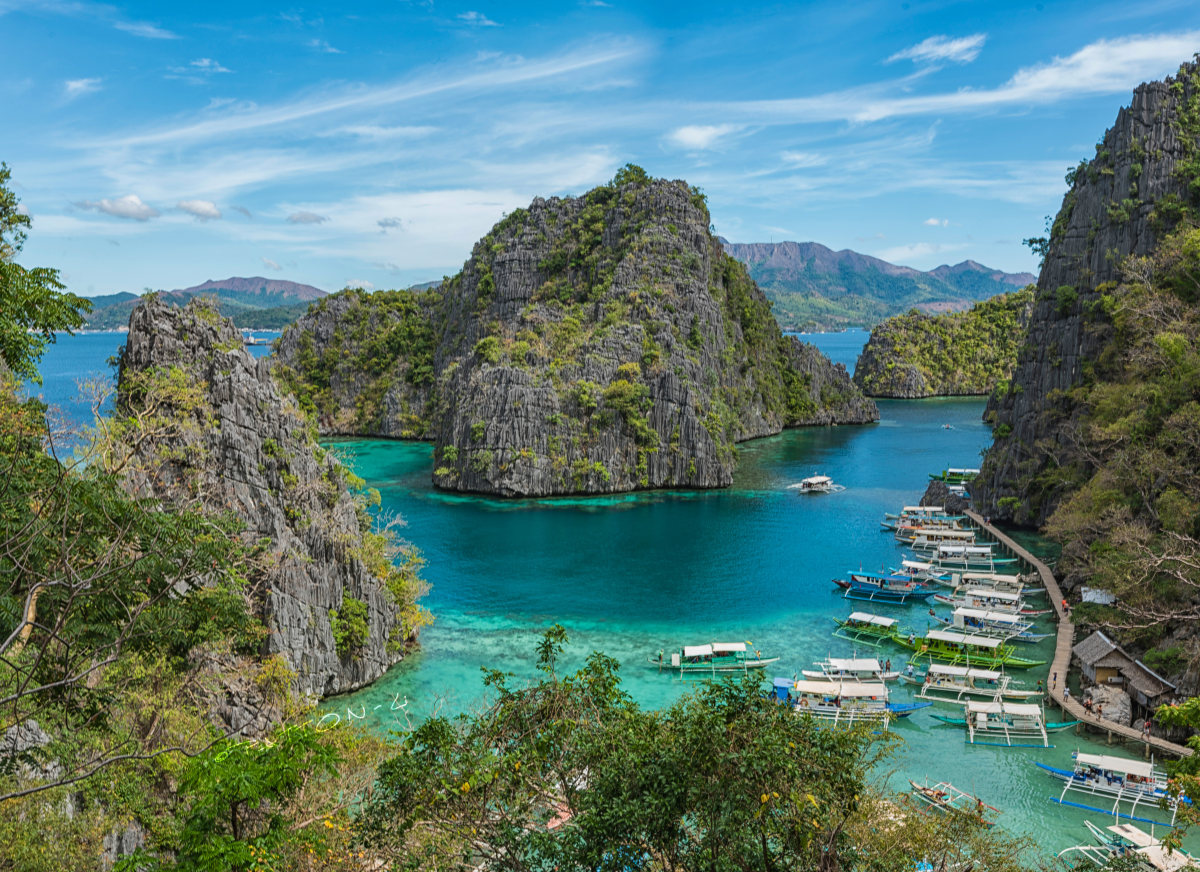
(961, 353)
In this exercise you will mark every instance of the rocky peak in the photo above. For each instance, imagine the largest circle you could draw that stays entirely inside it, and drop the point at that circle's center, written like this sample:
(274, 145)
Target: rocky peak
(228, 439)
(1140, 183)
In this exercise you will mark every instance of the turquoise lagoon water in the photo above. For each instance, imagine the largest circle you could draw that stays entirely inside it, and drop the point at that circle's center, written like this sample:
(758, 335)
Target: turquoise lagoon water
(632, 574)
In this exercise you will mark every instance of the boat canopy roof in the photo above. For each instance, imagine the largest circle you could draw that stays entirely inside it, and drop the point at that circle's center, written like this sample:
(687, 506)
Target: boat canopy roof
(1162, 861)
(855, 689)
(1116, 764)
(991, 576)
(868, 618)
(853, 664)
(963, 638)
(728, 647)
(816, 479)
(915, 564)
(1006, 596)
(947, 669)
(940, 533)
(954, 469)
(923, 510)
(1129, 832)
(697, 650)
(994, 617)
(974, 550)
(1027, 709)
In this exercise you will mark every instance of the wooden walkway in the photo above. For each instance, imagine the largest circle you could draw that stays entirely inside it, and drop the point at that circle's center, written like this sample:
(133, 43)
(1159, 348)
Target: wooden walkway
(1062, 656)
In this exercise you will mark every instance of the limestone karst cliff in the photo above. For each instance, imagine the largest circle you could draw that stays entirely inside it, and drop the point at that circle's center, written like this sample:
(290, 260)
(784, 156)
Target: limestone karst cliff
(957, 354)
(1137, 187)
(591, 344)
(216, 433)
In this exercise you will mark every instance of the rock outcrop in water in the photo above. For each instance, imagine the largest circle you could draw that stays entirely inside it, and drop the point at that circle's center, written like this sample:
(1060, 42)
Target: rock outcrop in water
(959, 354)
(590, 345)
(223, 437)
(1122, 202)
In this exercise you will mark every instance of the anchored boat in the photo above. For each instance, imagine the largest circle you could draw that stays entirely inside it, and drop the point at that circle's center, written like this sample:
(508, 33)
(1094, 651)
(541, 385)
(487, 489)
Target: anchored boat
(965, 649)
(1004, 723)
(1002, 625)
(945, 797)
(712, 658)
(1126, 841)
(955, 475)
(990, 600)
(850, 669)
(843, 702)
(945, 683)
(1119, 784)
(867, 628)
(877, 587)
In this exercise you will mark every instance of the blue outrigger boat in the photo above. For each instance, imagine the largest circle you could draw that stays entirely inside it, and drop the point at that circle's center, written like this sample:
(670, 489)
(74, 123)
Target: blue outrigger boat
(878, 587)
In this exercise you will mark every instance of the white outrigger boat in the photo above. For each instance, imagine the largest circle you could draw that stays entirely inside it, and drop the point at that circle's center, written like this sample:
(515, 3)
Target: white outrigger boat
(930, 538)
(865, 669)
(1002, 625)
(942, 682)
(990, 601)
(1138, 785)
(712, 658)
(1004, 723)
(817, 484)
(945, 797)
(1126, 842)
(843, 702)
(966, 558)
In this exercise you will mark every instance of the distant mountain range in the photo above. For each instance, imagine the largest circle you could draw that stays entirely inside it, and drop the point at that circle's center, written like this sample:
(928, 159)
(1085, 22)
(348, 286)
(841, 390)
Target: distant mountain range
(816, 288)
(257, 302)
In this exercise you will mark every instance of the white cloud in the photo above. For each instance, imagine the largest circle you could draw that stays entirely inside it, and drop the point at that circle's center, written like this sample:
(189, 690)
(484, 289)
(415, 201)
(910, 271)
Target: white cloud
(803, 159)
(270, 264)
(78, 87)
(476, 19)
(204, 210)
(144, 29)
(374, 131)
(303, 217)
(936, 222)
(942, 48)
(700, 136)
(129, 206)
(359, 283)
(322, 46)
(905, 254)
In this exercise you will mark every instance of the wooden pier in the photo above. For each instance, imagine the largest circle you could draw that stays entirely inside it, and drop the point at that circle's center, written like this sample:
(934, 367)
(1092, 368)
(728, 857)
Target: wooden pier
(1057, 682)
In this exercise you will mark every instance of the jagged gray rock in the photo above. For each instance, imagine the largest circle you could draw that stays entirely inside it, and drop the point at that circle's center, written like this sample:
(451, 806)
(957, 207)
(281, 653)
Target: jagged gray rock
(595, 344)
(938, 494)
(241, 445)
(1114, 703)
(1120, 203)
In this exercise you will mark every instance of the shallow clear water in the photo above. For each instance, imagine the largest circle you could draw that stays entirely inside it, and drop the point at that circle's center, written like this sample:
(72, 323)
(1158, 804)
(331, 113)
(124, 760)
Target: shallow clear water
(633, 574)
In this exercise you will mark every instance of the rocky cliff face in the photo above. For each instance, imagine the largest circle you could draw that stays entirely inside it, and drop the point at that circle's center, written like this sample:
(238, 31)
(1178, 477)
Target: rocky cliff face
(959, 354)
(594, 344)
(220, 435)
(1120, 203)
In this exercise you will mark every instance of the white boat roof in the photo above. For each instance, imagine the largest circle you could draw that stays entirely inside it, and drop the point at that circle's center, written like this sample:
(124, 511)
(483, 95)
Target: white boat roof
(697, 650)
(954, 469)
(816, 479)
(856, 689)
(1116, 764)
(983, 615)
(853, 664)
(728, 647)
(1008, 596)
(868, 618)
(991, 576)
(1012, 708)
(923, 510)
(962, 671)
(943, 533)
(915, 564)
(1141, 838)
(963, 638)
(1159, 859)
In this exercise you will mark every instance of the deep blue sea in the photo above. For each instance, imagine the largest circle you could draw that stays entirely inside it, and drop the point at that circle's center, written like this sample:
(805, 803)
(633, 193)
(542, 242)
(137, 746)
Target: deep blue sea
(633, 574)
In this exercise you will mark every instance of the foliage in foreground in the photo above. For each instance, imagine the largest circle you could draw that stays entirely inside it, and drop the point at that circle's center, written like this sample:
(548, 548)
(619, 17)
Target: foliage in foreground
(570, 773)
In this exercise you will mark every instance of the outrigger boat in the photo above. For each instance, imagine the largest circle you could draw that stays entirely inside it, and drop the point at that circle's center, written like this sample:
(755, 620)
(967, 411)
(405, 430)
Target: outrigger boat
(964, 649)
(965, 558)
(817, 484)
(877, 587)
(843, 702)
(1002, 625)
(942, 682)
(1140, 786)
(716, 657)
(1126, 841)
(936, 522)
(926, 538)
(1006, 723)
(915, 512)
(867, 628)
(945, 797)
(849, 669)
(991, 601)
(955, 475)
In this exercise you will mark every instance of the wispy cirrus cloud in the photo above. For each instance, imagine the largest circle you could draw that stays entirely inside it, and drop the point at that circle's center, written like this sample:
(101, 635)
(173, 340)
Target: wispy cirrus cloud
(130, 206)
(476, 19)
(936, 49)
(323, 47)
(936, 222)
(73, 88)
(304, 217)
(700, 136)
(145, 29)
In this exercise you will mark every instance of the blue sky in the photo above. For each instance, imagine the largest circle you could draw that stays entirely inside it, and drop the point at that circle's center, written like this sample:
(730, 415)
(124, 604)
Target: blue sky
(158, 145)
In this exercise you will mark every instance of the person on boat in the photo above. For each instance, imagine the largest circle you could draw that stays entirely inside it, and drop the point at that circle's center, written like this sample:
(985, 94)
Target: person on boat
(908, 670)
(887, 667)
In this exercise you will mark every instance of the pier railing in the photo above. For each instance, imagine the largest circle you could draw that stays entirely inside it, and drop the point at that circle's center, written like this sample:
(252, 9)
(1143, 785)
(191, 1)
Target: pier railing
(1062, 657)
